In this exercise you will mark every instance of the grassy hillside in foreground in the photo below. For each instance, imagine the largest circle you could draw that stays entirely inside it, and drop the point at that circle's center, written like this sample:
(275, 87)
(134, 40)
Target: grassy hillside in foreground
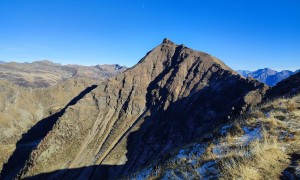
(262, 144)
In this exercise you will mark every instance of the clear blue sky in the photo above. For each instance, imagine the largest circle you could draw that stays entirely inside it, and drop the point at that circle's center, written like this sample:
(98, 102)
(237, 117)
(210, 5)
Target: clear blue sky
(245, 34)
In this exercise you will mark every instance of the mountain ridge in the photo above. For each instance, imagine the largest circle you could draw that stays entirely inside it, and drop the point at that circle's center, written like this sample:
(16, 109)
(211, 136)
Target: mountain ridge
(41, 74)
(165, 101)
(267, 75)
(23, 107)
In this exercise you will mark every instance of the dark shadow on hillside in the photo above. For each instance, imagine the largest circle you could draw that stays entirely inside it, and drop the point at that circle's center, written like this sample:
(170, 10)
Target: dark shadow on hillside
(91, 172)
(286, 88)
(32, 138)
(290, 171)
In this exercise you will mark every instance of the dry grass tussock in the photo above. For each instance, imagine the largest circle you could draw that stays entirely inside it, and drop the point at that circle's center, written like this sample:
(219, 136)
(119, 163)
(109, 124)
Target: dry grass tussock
(260, 160)
(257, 145)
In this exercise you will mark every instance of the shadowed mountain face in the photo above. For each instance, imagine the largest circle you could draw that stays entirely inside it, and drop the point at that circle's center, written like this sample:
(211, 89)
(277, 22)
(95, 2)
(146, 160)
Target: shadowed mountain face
(45, 73)
(285, 88)
(268, 76)
(264, 140)
(173, 96)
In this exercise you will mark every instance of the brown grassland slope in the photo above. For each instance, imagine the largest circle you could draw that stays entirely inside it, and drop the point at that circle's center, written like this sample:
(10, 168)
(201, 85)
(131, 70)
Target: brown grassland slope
(46, 73)
(22, 107)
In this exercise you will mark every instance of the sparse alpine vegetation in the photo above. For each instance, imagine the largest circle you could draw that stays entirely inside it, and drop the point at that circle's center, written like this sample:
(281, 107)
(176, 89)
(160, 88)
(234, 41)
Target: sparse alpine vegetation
(260, 144)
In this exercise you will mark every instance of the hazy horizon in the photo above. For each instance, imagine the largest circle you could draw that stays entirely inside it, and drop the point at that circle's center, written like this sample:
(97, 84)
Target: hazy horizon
(295, 69)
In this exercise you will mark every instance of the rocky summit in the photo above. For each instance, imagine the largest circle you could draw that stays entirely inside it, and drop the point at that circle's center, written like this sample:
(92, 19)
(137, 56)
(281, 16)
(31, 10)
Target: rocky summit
(171, 98)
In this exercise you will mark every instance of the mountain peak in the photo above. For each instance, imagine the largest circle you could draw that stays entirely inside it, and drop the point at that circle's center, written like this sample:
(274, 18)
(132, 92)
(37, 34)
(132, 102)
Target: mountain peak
(172, 88)
(45, 62)
(167, 41)
(268, 69)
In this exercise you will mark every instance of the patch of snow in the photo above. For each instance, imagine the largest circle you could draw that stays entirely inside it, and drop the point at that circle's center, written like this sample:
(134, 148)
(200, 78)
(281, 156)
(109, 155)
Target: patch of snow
(197, 150)
(144, 174)
(190, 153)
(250, 135)
(297, 171)
(182, 154)
(208, 170)
(171, 174)
(267, 115)
(187, 153)
(168, 175)
(283, 148)
(218, 150)
(224, 129)
(192, 162)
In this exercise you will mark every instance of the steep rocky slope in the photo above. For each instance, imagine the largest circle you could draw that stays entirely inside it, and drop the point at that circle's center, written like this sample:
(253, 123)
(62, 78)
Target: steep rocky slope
(21, 108)
(261, 144)
(267, 75)
(46, 73)
(173, 96)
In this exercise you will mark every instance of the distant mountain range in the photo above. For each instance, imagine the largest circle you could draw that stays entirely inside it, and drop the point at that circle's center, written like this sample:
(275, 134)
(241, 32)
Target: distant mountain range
(46, 73)
(267, 75)
(22, 73)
